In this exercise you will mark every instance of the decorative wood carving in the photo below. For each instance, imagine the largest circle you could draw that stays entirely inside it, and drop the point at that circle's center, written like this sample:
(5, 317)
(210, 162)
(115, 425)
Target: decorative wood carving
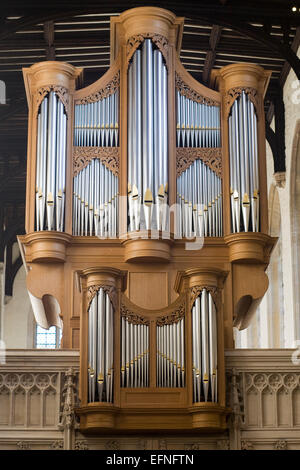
(93, 290)
(99, 95)
(196, 291)
(61, 91)
(132, 317)
(187, 91)
(232, 94)
(212, 157)
(160, 41)
(174, 317)
(109, 156)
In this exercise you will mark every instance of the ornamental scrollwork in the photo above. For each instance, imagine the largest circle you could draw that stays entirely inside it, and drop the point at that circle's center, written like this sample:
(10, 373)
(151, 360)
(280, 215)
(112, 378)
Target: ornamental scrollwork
(280, 445)
(212, 157)
(104, 92)
(132, 317)
(61, 92)
(81, 445)
(185, 90)
(112, 445)
(109, 156)
(196, 291)
(234, 93)
(247, 445)
(159, 40)
(110, 290)
(69, 394)
(174, 317)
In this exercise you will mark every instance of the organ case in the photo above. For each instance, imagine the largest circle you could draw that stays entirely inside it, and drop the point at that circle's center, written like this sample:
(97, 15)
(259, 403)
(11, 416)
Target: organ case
(146, 224)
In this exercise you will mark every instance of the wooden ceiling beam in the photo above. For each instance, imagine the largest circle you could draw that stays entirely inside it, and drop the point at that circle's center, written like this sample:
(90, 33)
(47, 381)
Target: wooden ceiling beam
(49, 39)
(214, 39)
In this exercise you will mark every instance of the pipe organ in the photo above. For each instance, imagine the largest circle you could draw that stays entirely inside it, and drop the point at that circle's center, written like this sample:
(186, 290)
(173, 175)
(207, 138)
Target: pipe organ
(124, 178)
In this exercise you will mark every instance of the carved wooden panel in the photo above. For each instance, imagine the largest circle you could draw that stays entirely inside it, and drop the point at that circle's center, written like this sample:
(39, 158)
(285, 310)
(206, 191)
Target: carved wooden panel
(174, 317)
(232, 94)
(159, 40)
(212, 157)
(111, 291)
(102, 93)
(109, 156)
(188, 92)
(61, 91)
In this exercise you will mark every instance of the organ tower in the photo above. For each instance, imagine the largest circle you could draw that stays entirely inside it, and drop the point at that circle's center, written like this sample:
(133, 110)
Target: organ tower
(146, 224)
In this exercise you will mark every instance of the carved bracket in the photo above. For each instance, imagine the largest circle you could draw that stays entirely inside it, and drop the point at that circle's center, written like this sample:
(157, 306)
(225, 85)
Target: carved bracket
(212, 157)
(160, 41)
(132, 317)
(191, 94)
(99, 95)
(111, 291)
(232, 94)
(40, 94)
(196, 291)
(109, 156)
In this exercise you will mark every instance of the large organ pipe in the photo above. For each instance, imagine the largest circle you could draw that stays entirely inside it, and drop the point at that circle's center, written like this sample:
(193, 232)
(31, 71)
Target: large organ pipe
(147, 138)
(204, 348)
(51, 153)
(51, 163)
(100, 347)
(244, 182)
(147, 74)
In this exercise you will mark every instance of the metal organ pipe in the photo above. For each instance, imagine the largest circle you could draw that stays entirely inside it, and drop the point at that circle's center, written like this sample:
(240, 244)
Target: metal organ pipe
(134, 354)
(100, 347)
(244, 172)
(198, 124)
(147, 138)
(204, 350)
(51, 164)
(170, 360)
(95, 199)
(96, 124)
(200, 200)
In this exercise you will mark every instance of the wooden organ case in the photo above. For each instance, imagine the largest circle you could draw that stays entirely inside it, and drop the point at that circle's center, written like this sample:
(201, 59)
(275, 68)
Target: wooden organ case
(147, 224)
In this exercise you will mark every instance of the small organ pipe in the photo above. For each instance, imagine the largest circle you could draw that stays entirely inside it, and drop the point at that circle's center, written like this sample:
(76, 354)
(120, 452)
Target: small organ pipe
(199, 189)
(198, 124)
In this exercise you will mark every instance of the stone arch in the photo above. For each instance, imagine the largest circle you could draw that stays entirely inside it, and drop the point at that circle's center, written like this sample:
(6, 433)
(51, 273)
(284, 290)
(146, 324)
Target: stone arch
(295, 224)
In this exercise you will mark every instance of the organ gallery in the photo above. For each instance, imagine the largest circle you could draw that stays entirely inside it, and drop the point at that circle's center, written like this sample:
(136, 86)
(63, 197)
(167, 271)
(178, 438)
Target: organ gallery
(146, 217)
